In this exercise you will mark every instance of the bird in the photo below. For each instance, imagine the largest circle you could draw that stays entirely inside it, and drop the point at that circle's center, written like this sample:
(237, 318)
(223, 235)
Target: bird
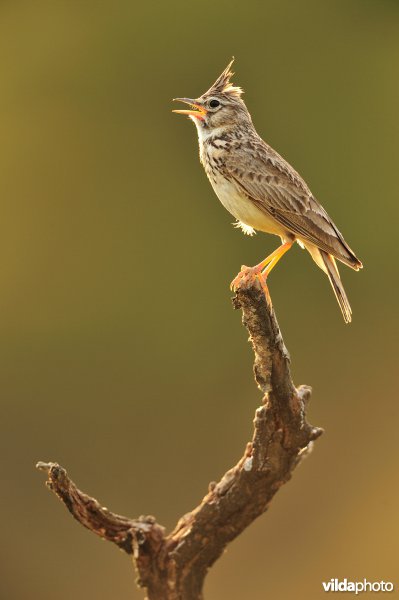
(261, 189)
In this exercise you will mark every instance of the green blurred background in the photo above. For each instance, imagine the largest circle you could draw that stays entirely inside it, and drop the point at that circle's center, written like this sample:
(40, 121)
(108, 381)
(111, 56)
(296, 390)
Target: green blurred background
(121, 356)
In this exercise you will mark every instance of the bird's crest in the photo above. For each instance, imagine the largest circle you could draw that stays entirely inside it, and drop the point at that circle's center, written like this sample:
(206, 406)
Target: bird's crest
(223, 85)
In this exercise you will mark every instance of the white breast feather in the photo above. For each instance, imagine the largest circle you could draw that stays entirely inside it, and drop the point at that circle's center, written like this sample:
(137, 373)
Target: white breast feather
(247, 229)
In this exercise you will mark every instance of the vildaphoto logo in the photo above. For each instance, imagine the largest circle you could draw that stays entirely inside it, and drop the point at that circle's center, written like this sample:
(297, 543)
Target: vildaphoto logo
(357, 587)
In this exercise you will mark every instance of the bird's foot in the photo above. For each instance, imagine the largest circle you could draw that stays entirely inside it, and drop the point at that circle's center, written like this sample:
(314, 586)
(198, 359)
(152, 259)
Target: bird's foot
(247, 277)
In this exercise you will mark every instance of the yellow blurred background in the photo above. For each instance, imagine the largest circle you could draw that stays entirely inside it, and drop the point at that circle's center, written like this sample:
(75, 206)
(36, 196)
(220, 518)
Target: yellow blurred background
(121, 356)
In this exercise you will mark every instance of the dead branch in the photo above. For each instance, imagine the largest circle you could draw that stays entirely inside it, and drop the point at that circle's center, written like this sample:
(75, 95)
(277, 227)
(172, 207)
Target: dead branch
(173, 566)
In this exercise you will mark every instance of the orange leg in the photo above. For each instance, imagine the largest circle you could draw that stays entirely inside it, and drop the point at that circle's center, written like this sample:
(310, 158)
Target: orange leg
(273, 258)
(261, 271)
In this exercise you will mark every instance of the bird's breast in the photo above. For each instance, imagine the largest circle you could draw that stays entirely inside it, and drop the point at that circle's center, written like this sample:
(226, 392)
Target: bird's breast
(239, 205)
(213, 155)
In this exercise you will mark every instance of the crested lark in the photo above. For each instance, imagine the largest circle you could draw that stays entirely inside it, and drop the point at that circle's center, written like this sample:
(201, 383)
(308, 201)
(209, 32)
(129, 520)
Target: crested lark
(261, 190)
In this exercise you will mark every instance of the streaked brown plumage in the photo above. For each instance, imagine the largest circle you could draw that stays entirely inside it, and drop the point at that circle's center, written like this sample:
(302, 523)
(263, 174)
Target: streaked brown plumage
(261, 189)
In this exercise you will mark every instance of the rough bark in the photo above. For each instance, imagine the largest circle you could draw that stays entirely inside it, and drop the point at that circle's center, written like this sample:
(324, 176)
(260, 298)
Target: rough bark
(173, 566)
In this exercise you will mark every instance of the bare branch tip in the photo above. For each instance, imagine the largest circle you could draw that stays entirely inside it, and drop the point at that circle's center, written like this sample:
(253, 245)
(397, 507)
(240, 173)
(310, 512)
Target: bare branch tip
(43, 466)
(316, 433)
(304, 393)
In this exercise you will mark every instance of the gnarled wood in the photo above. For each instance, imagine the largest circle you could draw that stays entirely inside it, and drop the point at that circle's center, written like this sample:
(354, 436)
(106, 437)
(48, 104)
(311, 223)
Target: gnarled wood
(173, 566)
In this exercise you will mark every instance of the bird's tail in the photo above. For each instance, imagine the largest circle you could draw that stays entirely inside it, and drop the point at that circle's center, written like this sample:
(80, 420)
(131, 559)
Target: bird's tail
(333, 275)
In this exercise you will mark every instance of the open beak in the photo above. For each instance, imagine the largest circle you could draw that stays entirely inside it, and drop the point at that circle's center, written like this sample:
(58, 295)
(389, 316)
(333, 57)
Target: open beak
(199, 113)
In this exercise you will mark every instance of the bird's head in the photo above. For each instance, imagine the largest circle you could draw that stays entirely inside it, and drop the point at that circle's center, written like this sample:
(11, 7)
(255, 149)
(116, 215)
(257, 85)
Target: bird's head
(221, 107)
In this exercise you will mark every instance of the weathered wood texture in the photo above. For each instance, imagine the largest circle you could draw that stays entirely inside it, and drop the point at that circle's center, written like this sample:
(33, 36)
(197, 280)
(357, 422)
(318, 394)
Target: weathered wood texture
(173, 566)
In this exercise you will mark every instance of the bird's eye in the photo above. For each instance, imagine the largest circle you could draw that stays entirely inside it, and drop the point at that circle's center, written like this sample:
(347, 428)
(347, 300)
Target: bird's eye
(214, 103)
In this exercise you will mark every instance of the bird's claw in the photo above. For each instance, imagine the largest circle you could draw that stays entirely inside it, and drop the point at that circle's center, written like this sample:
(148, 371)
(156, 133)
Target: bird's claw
(237, 280)
(246, 279)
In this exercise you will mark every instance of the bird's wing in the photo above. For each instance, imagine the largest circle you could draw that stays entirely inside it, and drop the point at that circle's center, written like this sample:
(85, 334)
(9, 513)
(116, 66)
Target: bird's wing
(276, 188)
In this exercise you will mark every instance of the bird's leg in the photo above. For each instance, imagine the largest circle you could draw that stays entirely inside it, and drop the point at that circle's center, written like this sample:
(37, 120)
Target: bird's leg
(270, 261)
(275, 257)
(261, 271)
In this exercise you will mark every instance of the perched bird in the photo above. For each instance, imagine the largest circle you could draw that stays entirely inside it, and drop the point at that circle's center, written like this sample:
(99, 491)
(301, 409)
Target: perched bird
(261, 190)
